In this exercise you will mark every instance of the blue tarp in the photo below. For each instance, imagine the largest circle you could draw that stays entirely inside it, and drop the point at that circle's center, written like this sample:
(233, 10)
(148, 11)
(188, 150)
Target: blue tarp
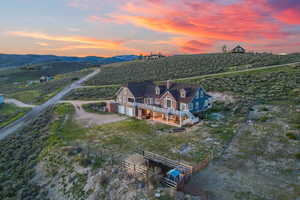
(174, 173)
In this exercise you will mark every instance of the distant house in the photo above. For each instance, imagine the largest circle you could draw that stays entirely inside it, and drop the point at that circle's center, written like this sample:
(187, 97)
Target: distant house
(1, 99)
(238, 49)
(45, 79)
(171, 103)
(153, 56)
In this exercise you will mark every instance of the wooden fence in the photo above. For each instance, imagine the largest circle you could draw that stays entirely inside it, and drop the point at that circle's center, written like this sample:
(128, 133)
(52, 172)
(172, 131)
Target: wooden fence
(134, 169)
(168, 162)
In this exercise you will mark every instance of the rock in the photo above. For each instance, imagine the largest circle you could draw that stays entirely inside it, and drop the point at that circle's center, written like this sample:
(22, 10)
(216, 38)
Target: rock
(115, 170)
(184, 149)
(141, 185)
(179, 196)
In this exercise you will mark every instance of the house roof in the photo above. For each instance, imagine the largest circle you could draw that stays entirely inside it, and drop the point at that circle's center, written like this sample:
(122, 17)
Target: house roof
(238, 49)
(147, 89)
(141, 89)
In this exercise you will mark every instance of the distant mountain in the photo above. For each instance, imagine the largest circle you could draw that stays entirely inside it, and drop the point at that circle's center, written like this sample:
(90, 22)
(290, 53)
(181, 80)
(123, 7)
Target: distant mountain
(13, 60)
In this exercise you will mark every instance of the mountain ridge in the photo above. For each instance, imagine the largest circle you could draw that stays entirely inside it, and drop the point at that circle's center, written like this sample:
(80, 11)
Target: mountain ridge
(18, 60)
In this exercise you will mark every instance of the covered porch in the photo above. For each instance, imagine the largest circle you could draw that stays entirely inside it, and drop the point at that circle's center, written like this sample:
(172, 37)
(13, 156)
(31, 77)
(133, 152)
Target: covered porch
(161, 117)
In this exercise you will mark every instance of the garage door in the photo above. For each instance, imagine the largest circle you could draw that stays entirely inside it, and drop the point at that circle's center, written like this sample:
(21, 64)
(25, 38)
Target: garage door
(130, 112)
(121, 109)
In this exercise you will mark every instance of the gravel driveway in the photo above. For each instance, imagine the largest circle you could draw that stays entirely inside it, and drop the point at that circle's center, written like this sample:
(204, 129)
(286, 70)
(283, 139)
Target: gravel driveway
(88, 119)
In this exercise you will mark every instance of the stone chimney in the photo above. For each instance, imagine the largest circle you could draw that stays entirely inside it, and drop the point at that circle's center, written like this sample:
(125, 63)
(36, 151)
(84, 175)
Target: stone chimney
(168, 84)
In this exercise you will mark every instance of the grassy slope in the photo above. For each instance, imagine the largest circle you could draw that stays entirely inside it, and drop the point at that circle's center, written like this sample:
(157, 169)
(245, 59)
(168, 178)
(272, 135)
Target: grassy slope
(18, 157)
(264, 154)
(38, 93)
(10, 113)
(261, 160)
(185, 66)
(93, 93)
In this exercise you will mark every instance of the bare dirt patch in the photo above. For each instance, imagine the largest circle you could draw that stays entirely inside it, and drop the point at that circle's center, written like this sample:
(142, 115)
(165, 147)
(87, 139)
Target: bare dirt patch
(92, 119)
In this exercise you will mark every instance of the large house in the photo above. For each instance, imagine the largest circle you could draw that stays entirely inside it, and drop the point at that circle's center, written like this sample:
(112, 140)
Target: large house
(172, 103)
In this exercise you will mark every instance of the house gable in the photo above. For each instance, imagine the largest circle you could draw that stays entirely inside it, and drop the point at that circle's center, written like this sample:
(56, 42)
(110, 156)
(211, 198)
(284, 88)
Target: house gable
(200, 102)
(168, 96)
(124, 94)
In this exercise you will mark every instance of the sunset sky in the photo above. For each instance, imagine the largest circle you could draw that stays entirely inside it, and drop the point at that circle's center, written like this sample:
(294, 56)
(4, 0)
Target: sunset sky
(118, 27)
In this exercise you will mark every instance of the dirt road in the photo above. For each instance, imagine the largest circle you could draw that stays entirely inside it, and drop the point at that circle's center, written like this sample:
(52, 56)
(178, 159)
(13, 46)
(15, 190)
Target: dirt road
(36, 111)
(18, 103)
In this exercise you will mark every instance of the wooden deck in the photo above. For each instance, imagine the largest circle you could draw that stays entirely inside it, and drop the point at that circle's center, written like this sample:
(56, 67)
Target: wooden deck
(186, 168)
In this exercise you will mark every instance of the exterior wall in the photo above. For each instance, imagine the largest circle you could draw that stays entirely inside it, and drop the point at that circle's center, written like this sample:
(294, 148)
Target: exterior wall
(124, 95)
(200, 102)
(112, 107)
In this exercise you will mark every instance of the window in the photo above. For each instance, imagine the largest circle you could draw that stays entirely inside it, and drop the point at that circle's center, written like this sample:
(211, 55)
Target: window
(201, 94)
(197, 94)
(149, 101)
(197, 105)
(206, 103)
(169, 103)
(183, 106)
(191, 106)
(131, 100)
(182, 93)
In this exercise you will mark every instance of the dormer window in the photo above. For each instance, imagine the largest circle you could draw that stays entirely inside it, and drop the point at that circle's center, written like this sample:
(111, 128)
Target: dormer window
(157, 91)
(182, 93)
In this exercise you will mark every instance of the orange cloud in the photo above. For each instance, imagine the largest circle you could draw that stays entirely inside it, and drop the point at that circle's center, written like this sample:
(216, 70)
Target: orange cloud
(235, 22)
(105, 44)
(43, 44)
(91, 42)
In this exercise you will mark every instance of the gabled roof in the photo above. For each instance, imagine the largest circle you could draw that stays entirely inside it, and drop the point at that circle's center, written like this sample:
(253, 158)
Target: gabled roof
(141, 89)
(190, 89)
(147, 89)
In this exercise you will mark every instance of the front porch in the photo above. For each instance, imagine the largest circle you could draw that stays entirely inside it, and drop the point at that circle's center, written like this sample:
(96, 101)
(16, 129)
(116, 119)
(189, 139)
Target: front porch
(165, 118)
(162, 115)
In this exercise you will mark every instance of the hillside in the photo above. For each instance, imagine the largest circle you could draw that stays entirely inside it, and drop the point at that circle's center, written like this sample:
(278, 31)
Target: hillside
(186, 66)
(12, 60)
(253, 161)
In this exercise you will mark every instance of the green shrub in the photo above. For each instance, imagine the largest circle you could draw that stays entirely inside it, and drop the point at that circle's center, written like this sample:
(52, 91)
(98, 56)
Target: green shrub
(291, 136)
(297, 156)
(181, 66)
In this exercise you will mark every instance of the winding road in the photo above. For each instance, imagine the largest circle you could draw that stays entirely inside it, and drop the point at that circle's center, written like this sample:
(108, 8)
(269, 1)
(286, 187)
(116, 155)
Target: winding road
(36, 111)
